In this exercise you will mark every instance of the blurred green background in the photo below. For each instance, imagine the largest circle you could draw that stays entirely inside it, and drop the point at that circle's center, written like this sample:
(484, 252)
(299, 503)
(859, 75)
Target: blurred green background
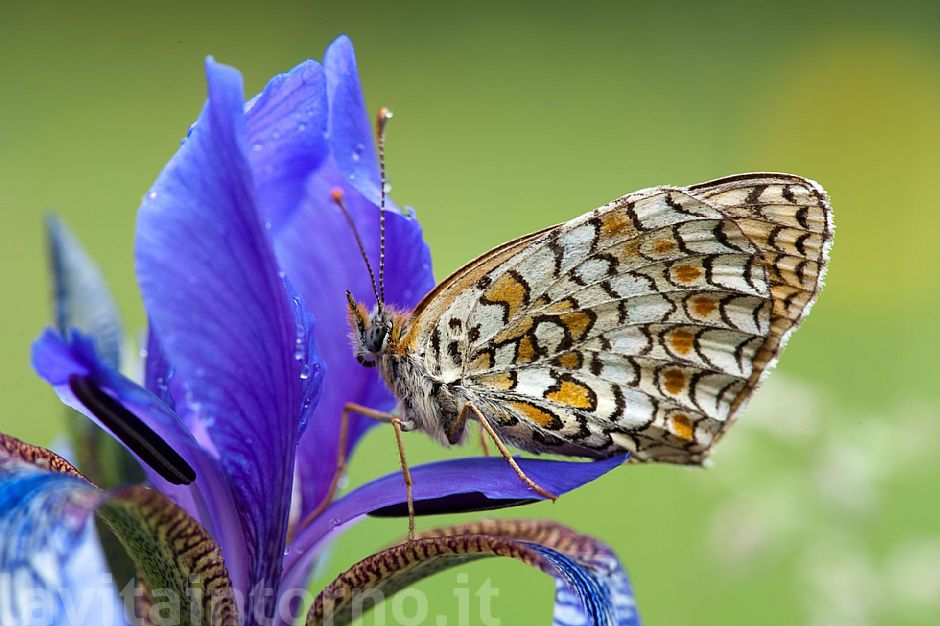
(822, 505)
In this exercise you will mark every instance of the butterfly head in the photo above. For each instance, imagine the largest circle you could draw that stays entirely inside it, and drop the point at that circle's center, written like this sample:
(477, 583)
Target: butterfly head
(373, 334)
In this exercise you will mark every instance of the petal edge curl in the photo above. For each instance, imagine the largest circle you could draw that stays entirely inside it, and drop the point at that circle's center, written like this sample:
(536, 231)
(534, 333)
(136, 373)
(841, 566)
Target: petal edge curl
(592, 587)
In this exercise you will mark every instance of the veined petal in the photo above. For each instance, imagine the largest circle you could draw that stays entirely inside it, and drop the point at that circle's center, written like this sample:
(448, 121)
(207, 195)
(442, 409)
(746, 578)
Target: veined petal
(212, 288)
(287, 135)
(208, 498)
(452, 486)
(592, 586)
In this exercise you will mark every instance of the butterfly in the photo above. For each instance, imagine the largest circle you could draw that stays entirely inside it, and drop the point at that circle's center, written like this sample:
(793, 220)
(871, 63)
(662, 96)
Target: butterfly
(641, 327)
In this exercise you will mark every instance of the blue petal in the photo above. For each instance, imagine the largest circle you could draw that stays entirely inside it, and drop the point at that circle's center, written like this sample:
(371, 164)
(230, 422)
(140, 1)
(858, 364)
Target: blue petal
(209, 498)
(591, 589)
(212, 289)
(350, 124)
(44, 525)
(452, 486)
(287, 129)
(82, 299)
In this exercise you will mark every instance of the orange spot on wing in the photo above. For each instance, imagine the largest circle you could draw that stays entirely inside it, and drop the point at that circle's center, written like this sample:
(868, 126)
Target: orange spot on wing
(525, 353)
(502, 380)
(682, 426)
(573, 394)
(703, 306)
(663, 246)
(674, 381)
(686, 273)
(535, 414)
(482, 361)
(571, 360)
(516, 329)
(682, 341)
(578, 323)
(616, 224)
(562, 306)
(508, 290)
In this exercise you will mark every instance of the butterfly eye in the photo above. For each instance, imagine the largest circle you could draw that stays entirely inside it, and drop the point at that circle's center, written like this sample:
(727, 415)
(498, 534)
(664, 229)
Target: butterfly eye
(375, 337)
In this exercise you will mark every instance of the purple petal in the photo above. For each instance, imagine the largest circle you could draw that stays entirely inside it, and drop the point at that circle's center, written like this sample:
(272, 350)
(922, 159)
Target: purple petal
(212, 288)
(209, 498)
(287, 130)
(316, 248)
(308, 249)
(452, 486)
(350, 124)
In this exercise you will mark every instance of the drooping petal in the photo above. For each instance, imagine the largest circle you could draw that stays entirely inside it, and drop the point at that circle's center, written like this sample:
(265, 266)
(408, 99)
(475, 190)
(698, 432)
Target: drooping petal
(592, 586)
(45, 505)
(43, 519)
(308, 246)
(287, 135)
(452, 486)
(208, 498)
(212, 289)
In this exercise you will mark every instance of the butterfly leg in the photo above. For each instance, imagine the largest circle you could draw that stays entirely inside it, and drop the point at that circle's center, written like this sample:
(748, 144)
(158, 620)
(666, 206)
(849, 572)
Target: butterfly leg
(380, 416)
(484, 443)
(397, 424)
(485, 425)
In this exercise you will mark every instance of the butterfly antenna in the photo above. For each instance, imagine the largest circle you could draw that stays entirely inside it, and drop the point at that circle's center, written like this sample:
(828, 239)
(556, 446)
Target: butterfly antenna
(336, 195)
(384, 115)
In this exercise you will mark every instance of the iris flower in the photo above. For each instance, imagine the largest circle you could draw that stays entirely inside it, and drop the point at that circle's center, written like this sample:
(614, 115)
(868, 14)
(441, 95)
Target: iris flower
(243, 262)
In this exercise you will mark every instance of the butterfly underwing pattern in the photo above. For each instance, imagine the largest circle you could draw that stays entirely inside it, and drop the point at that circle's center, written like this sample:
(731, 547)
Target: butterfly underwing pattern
(643, 326)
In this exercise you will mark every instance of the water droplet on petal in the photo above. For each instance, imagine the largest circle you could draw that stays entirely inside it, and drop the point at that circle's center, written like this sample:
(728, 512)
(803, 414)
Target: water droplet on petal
(357, 152)
(152, 195)
(301, 127)
(257, 147)
(305, 371)
(267, 225)
(334, 522)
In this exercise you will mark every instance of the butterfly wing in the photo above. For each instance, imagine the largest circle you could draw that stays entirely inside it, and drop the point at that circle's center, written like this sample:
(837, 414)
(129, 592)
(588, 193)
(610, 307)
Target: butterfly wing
(643, 326)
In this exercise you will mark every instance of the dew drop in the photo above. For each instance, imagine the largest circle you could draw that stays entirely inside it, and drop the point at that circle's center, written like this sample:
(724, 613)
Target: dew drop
(334, 522)
(358, 151)
(152, 195)
(301, 127)
(257, 147)
(304, 371)
(267, 225)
